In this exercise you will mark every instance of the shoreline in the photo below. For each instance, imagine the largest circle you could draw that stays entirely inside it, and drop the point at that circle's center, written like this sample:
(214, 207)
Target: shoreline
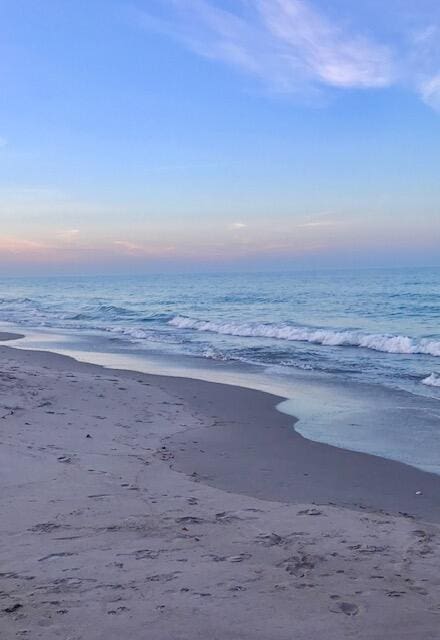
(387, 422)
(113, 528)
(290, 468)
(295, 468)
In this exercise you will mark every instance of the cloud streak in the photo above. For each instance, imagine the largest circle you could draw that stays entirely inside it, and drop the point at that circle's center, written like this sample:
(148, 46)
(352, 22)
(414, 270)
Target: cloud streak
(295, 48)
(18, 246)
(237, 225)
(143, 250)
(324, 50)
(430, 91)
(286, 43)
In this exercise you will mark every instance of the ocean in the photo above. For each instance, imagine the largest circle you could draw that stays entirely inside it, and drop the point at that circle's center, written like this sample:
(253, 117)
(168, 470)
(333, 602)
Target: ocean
(356, 352)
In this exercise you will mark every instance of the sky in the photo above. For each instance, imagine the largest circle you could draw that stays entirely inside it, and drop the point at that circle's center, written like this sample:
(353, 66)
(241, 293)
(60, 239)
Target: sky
(161, 135)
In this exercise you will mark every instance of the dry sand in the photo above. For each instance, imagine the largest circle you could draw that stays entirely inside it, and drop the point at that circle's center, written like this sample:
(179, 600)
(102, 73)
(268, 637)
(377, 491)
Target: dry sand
(145, 507)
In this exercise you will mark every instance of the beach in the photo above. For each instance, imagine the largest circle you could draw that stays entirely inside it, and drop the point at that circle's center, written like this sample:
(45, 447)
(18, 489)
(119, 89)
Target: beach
(220, 320)
(145, 506)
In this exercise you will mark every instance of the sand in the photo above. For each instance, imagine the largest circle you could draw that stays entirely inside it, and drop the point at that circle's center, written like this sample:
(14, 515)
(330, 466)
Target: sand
(5, 336)
(146, 507)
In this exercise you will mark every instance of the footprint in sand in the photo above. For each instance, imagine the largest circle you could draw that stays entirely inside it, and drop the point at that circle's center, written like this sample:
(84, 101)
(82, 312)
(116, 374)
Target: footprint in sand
(190, 520)
(239, 558)
(269, 539)
(300, 565)
(13, 608)
(225, 517)
(310, 512)
(347, 608)
(53, 556)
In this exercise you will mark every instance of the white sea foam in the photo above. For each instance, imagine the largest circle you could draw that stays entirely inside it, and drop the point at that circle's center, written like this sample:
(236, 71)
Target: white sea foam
(213, 354)
(132, 332)
(432, 381)
(326, 337)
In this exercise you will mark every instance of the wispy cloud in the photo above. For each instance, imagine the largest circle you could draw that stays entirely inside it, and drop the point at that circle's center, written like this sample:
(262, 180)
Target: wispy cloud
(129, 247)
(325, 220)
(323, 49)
(18, 246)
(430, 91)
(3, 142)
(238, 225)
(287, 43)
(142, 251)
(319, 224)
(68, 235)
(295, 47)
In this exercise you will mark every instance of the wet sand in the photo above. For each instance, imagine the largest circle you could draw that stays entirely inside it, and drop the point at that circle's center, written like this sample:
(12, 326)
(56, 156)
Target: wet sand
(285, 466)
(143, 506)
(6, 336)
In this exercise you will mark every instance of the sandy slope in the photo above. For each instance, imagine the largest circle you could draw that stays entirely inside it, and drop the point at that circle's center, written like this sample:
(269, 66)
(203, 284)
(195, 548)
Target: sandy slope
(101, 538)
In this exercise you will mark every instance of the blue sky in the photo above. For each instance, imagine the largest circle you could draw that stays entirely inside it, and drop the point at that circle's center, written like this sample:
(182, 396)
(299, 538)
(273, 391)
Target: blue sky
(207, 134)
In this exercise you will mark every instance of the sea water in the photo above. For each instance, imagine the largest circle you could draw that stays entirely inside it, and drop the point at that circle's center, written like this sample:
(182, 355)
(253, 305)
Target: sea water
(373, 335)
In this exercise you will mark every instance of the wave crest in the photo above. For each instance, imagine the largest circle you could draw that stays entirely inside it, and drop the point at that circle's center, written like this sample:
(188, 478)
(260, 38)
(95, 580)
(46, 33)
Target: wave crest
(432, 381)
(327, 337)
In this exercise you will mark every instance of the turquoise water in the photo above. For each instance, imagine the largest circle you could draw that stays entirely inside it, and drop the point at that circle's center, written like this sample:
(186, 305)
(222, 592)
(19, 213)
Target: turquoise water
(378, 329)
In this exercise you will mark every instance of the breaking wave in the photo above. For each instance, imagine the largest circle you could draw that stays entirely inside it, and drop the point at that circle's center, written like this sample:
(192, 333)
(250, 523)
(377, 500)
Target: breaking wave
(432, 381)
(327, 337)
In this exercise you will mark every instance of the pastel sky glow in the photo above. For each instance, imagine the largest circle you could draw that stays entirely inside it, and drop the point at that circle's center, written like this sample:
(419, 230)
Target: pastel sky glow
(218, 134)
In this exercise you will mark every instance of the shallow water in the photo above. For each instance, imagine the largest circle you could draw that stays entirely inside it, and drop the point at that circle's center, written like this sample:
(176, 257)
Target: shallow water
(325, 339)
